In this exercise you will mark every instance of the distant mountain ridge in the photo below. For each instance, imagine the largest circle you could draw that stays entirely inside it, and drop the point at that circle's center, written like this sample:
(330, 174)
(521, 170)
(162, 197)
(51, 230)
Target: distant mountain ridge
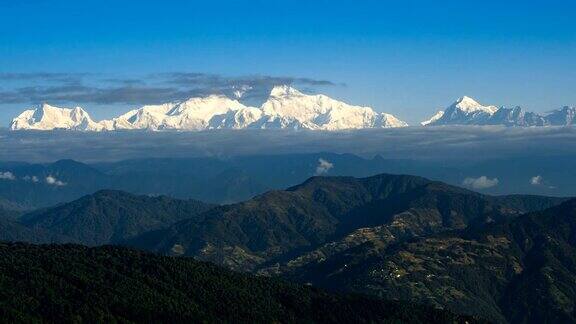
(214, 180)
(467, 111)
(111, 216)
(285, 108)
(229, 180)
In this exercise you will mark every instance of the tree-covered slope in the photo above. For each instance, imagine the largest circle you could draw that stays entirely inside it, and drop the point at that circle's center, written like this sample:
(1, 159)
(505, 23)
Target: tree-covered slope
(518, 271)
(544, 291)
(110, 216)
(69, 283)
(284, 223)
(11, 230)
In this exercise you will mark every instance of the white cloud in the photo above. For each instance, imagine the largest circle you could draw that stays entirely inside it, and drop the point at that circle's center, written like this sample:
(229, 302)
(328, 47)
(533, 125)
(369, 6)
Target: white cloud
(482, 182)
(53, 181)
(7, 176)
(30, 178)
(323, 166)
(536, 180)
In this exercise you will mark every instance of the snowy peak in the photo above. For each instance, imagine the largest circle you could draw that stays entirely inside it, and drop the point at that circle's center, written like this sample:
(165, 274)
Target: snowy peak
(385, 120)
(467, 111)
(464, 111)
(466, 101)
(283, 91)
(47, 117)
(192, 114)
(469, 105)
(288, 107)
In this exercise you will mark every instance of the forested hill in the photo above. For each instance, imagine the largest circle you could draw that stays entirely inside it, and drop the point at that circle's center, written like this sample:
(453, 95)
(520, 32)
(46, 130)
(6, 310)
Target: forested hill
(110, 216)
(71, 283)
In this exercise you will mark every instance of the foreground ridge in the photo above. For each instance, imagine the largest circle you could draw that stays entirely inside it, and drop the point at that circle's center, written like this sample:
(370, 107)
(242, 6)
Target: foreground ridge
(99, 285)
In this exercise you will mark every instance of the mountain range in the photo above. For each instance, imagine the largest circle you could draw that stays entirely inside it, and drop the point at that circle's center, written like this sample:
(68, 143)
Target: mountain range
(219, 180)
(285, 107)
(467, 111)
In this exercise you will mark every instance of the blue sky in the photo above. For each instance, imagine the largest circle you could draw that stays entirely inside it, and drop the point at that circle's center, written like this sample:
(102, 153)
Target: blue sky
(405, 57)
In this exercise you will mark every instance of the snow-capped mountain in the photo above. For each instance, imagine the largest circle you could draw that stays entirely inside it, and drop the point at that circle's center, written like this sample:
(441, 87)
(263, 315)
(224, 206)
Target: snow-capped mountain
(464, 111)
(285, 107)
(563, 116)
(467, 111)
(516, 117)
(434, 118)
(45, 117)
(210, 112)
(288, 107)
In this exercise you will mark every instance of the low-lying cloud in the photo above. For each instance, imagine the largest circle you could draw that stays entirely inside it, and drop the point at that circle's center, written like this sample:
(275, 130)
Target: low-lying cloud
(422, 143)
(479, 183)
(323, 166)
(7, 175)
(536, 180)
(54, 182)
(28, 178)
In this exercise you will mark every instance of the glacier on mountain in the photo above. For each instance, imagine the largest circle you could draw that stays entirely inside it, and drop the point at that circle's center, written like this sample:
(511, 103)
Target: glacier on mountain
(285, 107)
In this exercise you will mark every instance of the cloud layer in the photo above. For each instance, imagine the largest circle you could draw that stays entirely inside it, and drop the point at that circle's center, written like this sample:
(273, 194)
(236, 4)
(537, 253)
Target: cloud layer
(441, 143)
(82, 88)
